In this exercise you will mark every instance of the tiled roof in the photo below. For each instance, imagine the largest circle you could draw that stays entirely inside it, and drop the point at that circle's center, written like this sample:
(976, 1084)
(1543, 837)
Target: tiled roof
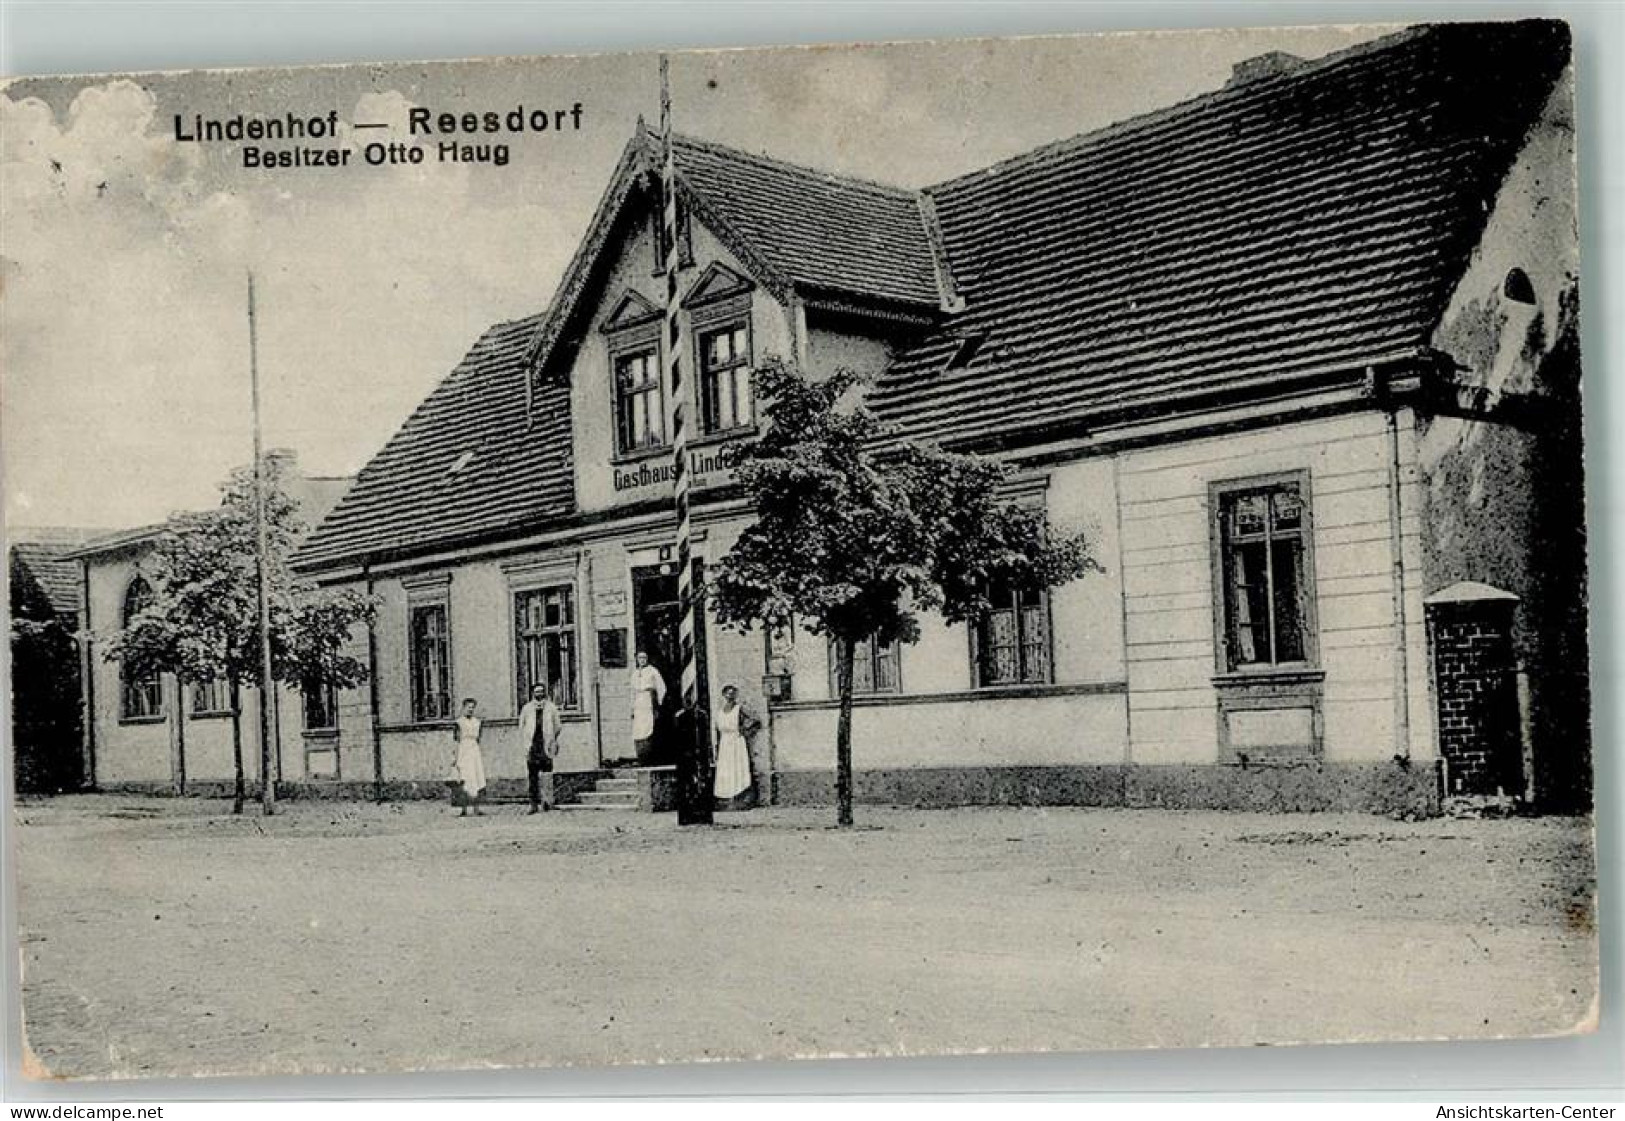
(825, 233)
(475, 460)
(1300, 221)
(43, 552)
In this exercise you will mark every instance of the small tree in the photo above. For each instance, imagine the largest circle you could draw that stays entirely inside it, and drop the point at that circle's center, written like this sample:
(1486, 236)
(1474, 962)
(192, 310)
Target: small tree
(855, 540)
(202, 623)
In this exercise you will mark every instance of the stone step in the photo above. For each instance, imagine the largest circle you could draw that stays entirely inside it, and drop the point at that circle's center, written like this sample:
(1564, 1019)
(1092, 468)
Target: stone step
(606, 785)
(621, 799)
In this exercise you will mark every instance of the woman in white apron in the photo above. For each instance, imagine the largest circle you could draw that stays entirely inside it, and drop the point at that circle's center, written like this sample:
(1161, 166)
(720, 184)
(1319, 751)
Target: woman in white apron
(467, 777)
(733, 725)
(648, 694)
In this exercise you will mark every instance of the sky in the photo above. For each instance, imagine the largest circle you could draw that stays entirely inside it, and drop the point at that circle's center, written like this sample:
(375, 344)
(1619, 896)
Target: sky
(124, 253)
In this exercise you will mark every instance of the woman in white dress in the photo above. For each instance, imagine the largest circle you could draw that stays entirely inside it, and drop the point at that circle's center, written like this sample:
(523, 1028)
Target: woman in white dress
(648, 694)
(730, 753)
(468, 765)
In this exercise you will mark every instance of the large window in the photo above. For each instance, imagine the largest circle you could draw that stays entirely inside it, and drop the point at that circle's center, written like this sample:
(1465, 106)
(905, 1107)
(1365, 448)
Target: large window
(320, 706)
(874, 668)
(141, 696)
(1264, 579)
(1012, 641)
(545, 630)
(431, 662)
(725, 378)
(639, 404)
(211, 697)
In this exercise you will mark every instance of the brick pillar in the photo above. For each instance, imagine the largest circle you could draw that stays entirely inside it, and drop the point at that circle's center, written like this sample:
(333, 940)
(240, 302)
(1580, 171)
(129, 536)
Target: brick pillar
(1475, 688)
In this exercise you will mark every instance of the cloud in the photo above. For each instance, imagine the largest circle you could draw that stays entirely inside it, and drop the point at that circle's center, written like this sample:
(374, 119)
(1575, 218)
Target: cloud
(123, 260)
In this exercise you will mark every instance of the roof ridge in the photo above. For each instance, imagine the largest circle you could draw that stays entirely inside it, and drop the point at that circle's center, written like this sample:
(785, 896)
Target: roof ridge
(891, 189)
(1114, 129)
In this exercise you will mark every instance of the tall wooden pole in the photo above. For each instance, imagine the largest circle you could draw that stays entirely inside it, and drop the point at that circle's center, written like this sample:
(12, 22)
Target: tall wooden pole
(261, 592)
(694, 752)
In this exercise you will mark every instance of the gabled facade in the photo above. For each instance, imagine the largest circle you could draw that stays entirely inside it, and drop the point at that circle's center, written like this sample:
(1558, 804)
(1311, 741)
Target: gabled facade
(1272, 348)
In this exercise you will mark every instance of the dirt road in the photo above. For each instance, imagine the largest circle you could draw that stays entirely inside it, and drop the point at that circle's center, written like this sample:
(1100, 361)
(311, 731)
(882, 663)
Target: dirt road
(165, 937)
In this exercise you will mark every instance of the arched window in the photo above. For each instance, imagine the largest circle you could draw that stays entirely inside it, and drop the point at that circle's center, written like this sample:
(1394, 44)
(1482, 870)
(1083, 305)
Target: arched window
(139, 697)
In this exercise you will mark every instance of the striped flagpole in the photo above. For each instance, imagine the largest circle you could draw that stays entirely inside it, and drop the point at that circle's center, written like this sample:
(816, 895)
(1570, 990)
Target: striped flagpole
(694, 802)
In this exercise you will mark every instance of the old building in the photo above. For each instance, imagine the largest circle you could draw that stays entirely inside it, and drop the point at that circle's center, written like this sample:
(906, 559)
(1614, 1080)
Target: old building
(45, 698)
(1299, 354)
(161, 735)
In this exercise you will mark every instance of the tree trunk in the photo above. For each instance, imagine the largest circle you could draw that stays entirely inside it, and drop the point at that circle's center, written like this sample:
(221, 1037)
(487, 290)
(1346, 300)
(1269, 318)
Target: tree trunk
(845, 649)
(239, 793)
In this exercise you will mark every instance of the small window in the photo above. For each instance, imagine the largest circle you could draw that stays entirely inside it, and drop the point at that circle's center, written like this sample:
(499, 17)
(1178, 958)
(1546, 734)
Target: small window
(1518, 288)
(141, 697)
(321, 706)
(545, 631)
(1265, 581)
(1012, 640)
(431, 662)
(211, 697)
(874, 668)
(969, 347)
(725, 379)
(639, 403)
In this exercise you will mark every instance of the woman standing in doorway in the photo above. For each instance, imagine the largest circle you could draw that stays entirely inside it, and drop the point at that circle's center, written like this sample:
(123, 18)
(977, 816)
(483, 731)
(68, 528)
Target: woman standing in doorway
(730, 753)
(648, 694)
(468, 765)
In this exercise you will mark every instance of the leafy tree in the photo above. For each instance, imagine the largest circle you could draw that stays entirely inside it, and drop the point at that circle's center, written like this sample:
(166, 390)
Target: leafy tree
(203, 623)
(856, 532)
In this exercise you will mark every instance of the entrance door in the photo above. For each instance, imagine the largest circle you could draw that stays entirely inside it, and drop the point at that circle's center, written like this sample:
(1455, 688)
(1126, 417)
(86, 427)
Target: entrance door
(657, 614)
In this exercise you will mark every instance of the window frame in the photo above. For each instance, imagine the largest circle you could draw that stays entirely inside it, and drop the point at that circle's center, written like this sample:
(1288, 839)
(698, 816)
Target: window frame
(139, 701)
(640, 345)
(1219, 491)
(331, 694)
(421, 713)
(978, 629)
(219, 688)
(727, 320)
(873, 690)
(571, 628)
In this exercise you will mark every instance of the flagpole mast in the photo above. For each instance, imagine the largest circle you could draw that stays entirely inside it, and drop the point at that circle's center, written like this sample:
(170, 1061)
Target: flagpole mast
(694, 752)
(262, 598)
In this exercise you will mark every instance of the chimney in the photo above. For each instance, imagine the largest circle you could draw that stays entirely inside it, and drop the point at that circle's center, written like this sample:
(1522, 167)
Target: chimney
(1261, 66)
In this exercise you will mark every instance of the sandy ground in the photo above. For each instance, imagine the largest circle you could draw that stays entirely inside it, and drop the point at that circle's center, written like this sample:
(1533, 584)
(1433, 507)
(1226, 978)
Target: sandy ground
(163, 937)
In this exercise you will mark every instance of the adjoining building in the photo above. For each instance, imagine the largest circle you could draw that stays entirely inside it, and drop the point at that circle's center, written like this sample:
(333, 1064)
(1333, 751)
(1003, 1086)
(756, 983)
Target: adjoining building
(45, 679)
(156, 734)
(1299, 354)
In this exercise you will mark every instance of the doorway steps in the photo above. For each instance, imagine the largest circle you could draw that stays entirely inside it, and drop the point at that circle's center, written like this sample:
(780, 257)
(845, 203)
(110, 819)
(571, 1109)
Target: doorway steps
(635, 789)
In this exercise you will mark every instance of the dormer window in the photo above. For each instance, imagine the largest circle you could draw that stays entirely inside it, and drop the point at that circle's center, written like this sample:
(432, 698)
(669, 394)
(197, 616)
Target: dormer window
(969, 347)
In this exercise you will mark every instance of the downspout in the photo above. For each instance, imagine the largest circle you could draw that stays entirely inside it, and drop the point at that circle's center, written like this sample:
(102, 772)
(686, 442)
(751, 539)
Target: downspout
(372, 694)
(1402, 705)
(87, 673)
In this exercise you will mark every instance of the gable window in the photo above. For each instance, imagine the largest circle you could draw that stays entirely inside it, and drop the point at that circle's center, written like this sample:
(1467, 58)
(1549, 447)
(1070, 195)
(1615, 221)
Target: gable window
(141, 696)
(639, 403)
(1264, 579)
(545, 630)
(1012, 642)
(210, 697)
(430, 649)
(320, 709)
(725, 378)
(874, 667)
